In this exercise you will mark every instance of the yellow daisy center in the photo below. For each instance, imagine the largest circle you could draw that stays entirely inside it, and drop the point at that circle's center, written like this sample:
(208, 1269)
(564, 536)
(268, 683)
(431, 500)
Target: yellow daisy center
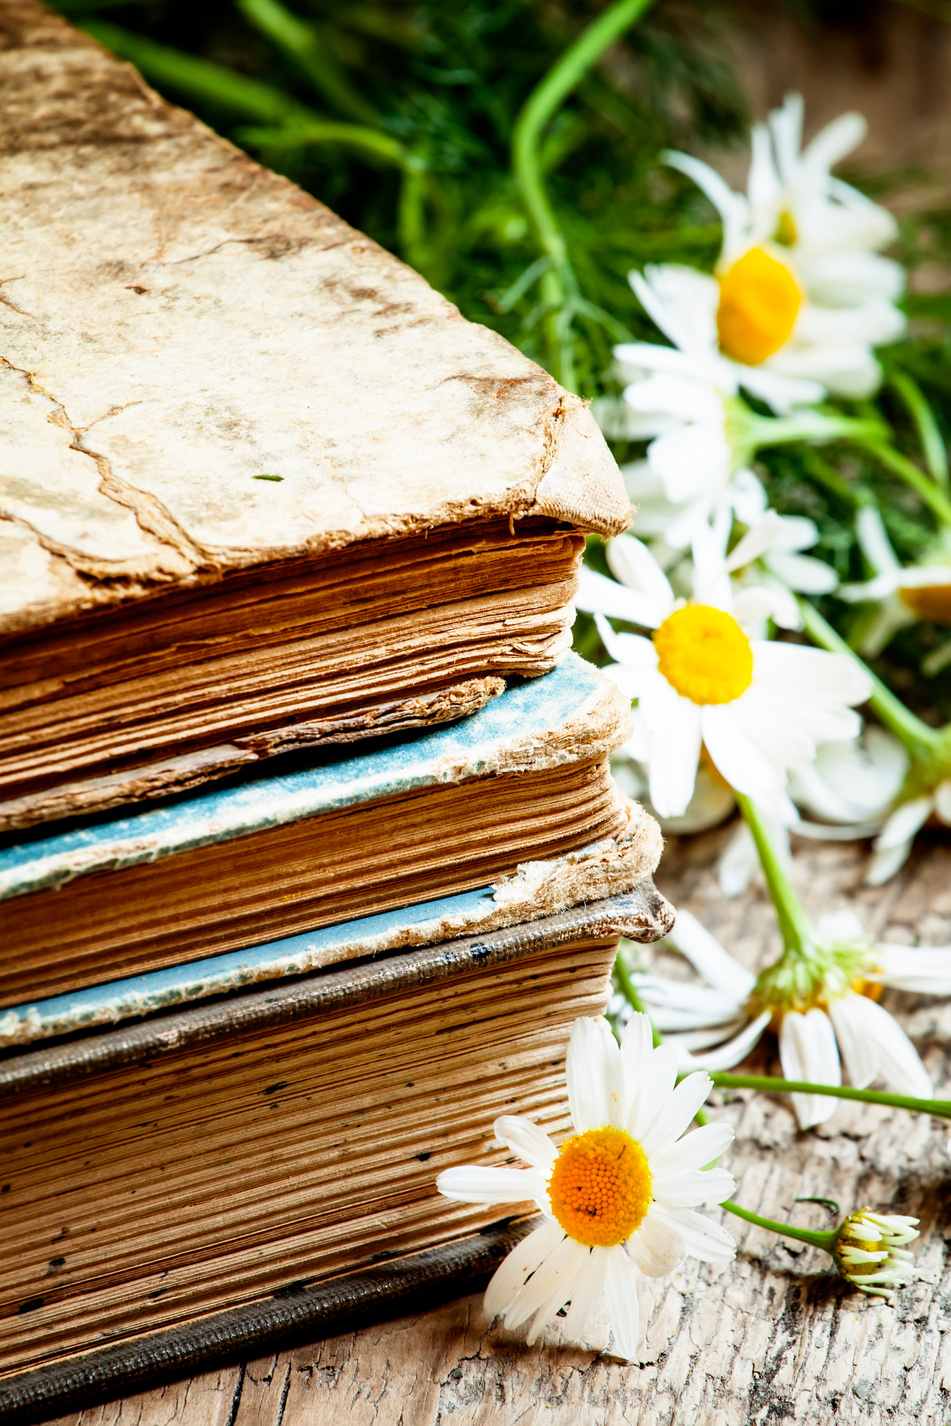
(704, 654)
(600, 1187)
(929, 601)
(759, 304)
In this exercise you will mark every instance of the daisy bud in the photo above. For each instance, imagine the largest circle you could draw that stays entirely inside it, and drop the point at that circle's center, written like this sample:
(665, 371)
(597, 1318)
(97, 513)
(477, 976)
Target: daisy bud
(870, 1251)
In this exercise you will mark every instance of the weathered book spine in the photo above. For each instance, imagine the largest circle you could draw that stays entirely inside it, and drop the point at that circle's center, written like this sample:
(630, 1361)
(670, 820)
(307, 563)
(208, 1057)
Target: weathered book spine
(642, 915)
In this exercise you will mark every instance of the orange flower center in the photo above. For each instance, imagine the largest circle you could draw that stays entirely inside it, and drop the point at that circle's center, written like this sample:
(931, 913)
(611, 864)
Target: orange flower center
(759, 304)
(600, 1187)
(704, 654)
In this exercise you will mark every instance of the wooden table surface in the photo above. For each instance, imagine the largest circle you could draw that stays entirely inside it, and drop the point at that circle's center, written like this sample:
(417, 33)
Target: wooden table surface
(773, 1338)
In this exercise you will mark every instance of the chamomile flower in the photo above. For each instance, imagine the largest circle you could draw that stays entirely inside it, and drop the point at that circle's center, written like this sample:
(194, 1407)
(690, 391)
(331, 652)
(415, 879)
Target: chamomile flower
(824, 1009)
(904, 594)
(799, 293)
(618, 1198)
(758, 707)
(871, 1251)
(834, 231)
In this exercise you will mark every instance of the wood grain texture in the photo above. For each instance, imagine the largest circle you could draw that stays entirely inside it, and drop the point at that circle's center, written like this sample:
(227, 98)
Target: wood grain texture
(773, 1339)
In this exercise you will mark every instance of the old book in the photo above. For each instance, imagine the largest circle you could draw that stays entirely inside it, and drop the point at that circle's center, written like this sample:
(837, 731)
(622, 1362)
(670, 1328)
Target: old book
(522, 782)
(262, 487)
(273, 1142)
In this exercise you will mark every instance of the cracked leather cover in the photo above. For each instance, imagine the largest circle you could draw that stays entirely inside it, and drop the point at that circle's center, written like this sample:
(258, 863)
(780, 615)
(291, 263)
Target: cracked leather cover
(175, 321)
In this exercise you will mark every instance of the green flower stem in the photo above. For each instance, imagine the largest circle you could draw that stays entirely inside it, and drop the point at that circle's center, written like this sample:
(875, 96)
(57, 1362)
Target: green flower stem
(906, 470)
(815, 426)
(929, 434)
(631, 993)
(299, 133)
(200, 80)
(299, 42)
(196, 79)
(920, 740)
(826, 475)
(797, 932)
(824, 1240)
(559, 286)
(939, 1108)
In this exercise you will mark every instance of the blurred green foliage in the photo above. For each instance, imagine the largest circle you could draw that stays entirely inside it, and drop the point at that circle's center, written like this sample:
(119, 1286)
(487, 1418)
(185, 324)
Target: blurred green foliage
(401, 115)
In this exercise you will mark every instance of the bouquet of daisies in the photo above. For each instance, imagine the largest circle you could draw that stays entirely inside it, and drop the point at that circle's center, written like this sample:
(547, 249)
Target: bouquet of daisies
(745, 696)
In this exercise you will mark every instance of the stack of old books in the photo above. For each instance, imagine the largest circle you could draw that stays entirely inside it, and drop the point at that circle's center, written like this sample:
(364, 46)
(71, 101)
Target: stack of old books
(310, 854)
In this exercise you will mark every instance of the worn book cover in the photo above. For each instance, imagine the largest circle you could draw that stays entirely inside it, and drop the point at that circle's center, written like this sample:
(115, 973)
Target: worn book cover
(262, 487)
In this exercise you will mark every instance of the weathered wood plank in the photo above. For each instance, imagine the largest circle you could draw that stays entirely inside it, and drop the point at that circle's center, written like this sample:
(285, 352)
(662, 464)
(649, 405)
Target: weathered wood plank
(774, 1338)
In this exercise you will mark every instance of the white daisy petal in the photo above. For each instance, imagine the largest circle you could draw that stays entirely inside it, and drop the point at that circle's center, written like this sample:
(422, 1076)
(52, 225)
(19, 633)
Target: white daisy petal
(637, 1046)
(599, 595)
(896, 1058)
(686, 1190)
(689, 460)
(678, 1113)
(737, 760)
(566, 1265)
(681, 1005)
(857, 1046)
(631, 562)
(677, 396)
(942, 801)
(510, 1277)
(803, 573)
(658, 1076)
(694, 1151)
(739, 863)
(656, 1247)
(904, 822)
(685, 1042)
(473, 1184)
(527, 1140)
(704, 1239)
(620, 1287)
(731, 1052)
(595, 1075)
(808, 1051)
(587, 1287)
(886, 861)
(709, 959)
(551, 1279)
(920, 971)
(675, 727)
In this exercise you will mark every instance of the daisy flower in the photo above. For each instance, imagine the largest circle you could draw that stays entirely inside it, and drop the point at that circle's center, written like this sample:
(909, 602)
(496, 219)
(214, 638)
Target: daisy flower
(871, 1251)
(824, 1007)
(833, 231)
(904, 594)
(618, 1198)
(799, 294)
(758, 707)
